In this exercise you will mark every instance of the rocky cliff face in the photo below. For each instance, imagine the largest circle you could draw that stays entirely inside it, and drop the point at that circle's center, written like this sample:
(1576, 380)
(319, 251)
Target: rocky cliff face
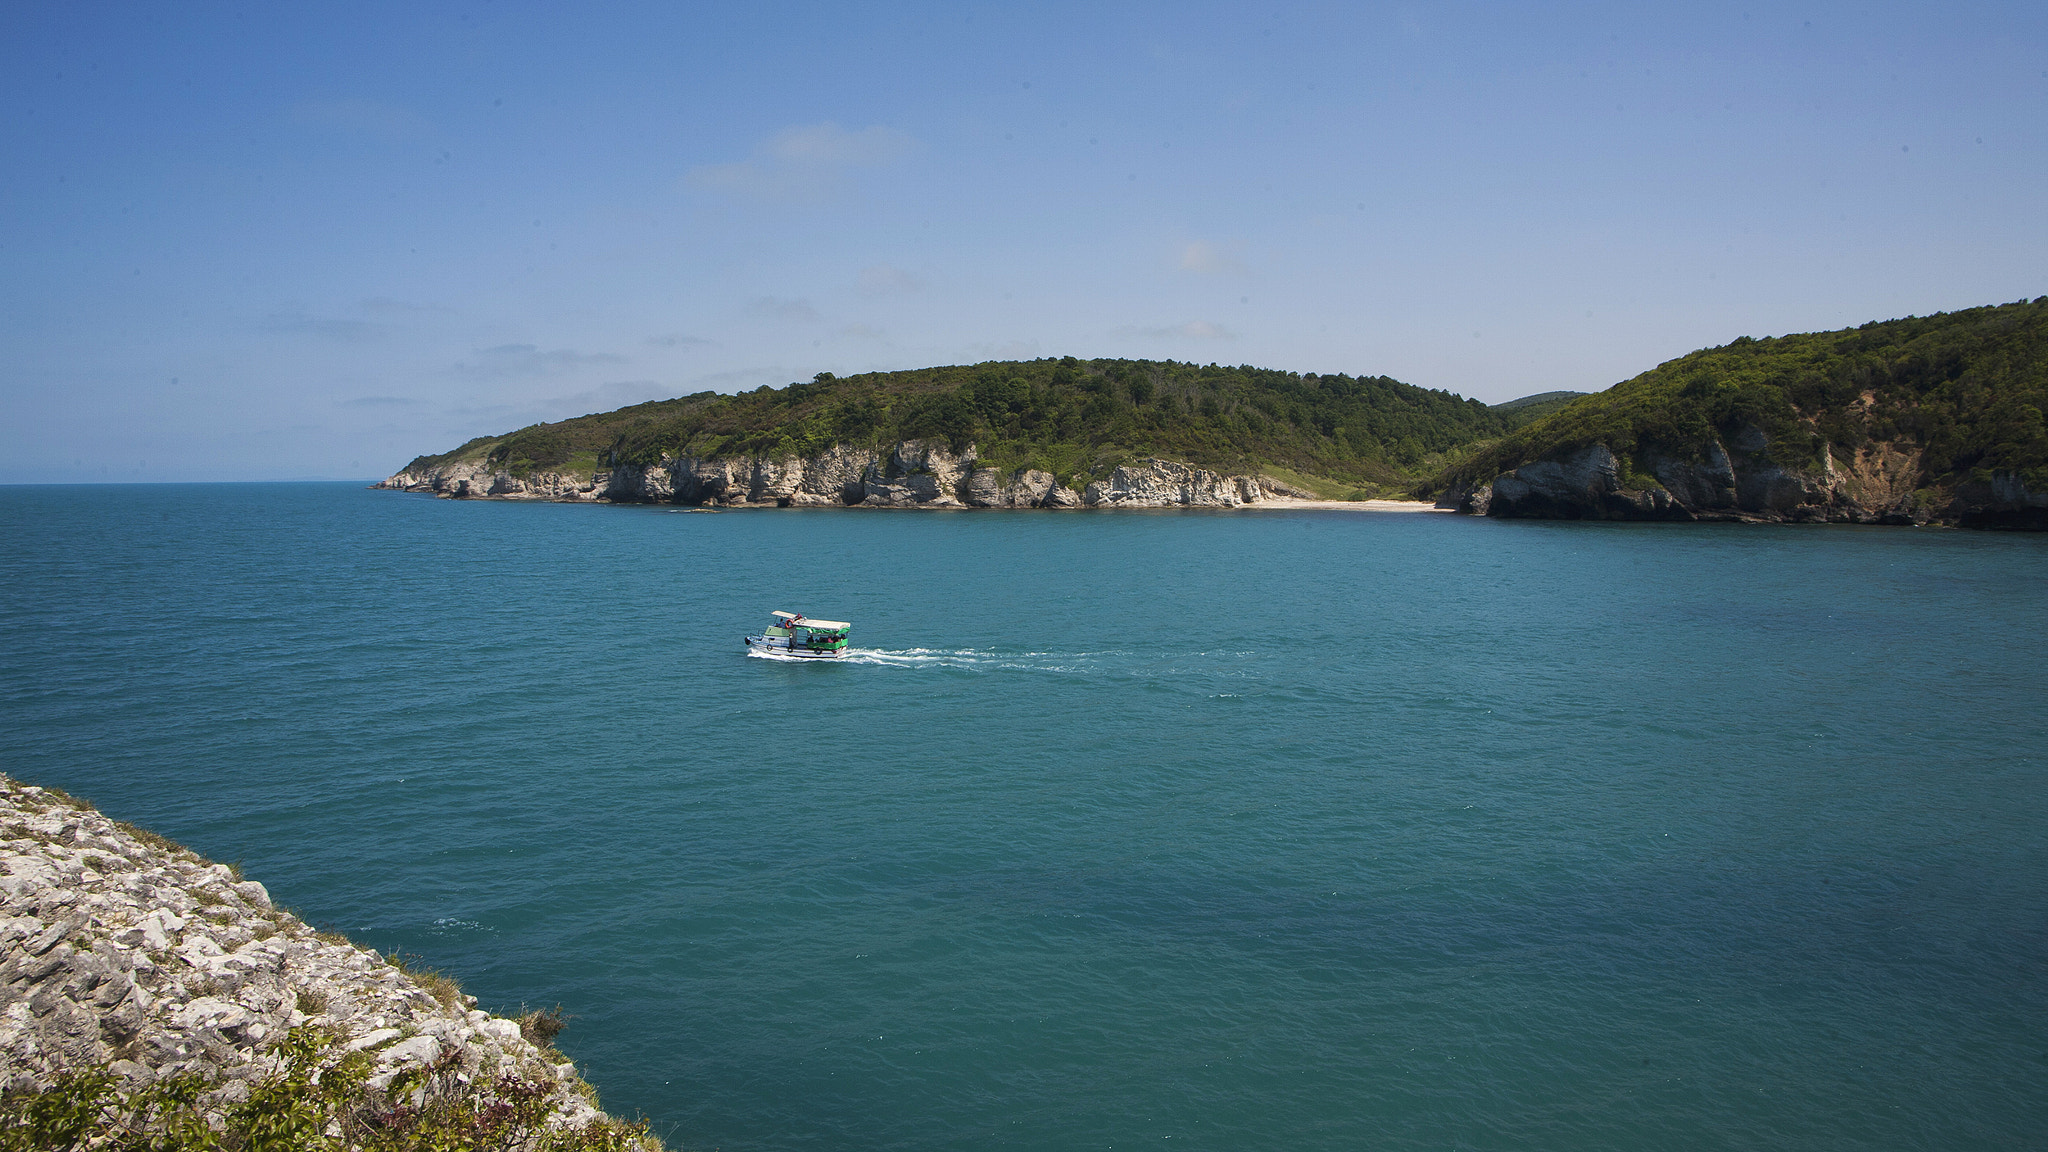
(912, 474)
(1739, 480)
(134, 956)
(1163, 483)
(473, 479)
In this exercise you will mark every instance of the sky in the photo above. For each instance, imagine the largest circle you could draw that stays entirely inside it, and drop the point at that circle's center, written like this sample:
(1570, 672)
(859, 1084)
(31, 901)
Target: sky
(268, 242)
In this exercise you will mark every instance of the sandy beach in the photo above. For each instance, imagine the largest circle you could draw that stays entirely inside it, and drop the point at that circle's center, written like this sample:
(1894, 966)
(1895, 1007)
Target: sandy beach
(1286, 504)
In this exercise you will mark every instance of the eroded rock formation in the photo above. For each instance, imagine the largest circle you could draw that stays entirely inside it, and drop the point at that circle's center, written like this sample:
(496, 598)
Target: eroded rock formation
(1742, 479)
(912, 474)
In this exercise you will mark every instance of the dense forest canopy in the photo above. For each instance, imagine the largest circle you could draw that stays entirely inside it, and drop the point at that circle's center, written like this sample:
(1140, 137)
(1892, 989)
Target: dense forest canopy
(1967, 389)
(1073, 418)
(1546, 401)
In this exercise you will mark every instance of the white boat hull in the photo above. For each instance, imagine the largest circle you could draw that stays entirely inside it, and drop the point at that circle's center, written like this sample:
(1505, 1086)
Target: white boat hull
(780, 647)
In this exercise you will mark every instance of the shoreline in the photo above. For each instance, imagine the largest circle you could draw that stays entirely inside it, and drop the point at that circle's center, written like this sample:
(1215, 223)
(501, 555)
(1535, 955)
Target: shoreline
(1289, 504)
(1270, 503)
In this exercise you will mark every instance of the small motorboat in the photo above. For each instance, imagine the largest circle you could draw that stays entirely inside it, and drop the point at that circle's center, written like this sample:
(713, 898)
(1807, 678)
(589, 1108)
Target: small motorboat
(801, 636)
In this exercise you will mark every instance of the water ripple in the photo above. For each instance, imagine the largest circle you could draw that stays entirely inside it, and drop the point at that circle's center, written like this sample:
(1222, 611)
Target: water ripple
(1313, 831)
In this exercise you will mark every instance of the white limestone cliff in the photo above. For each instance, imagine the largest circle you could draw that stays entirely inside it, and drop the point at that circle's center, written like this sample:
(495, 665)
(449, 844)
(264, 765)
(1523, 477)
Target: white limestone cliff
(911, 474)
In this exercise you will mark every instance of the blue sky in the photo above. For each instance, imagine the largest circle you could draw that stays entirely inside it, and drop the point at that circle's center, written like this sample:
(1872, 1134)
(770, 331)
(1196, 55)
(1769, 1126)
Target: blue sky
(296, 241)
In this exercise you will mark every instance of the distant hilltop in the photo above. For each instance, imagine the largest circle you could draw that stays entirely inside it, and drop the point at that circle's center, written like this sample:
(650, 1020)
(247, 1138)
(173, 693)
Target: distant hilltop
(1548, 401)
(1925, 420)
(1038, 433)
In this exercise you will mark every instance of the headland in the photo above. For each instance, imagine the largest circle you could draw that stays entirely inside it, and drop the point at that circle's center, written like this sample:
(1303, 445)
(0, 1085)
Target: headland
(147, 990)
(1933, 420)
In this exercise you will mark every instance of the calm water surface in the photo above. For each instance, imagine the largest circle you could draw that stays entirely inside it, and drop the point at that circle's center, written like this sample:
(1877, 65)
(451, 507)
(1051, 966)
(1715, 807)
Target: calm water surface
(1312, 830)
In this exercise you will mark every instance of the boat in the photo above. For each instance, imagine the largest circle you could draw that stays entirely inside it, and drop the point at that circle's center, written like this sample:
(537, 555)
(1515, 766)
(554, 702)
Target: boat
(800, 636)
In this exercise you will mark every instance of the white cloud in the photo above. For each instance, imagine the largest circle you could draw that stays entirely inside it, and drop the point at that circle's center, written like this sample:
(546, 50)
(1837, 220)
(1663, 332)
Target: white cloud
(363, 119)
(500, 413)
(788, 311)
(529, 360)
(804, 162)
(300, 324)
(1206, 259)
(605, 398)
(882, 279)
(1192, 330)
(829, 144)
(385, 305)
(739, 380)
(505, 416)
(1006, 350)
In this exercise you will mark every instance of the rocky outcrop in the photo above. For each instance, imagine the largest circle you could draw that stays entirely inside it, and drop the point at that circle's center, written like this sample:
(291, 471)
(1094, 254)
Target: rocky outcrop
(471, 480)
(912, 474)
(1585, 485)
(1741, 479)
(1165, 484)
(1162, 483)
(2004, 501)
(917, 474)
(126, 953)
(1467, 497)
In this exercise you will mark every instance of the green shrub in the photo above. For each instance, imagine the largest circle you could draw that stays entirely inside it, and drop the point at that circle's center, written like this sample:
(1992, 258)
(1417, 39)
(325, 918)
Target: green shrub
(318, 1101)
(541, 1026)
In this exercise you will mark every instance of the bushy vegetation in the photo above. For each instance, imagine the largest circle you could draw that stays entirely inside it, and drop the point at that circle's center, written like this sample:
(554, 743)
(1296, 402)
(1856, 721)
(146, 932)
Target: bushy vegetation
(541, 1025)
(1967, 389)
(1073, 418)
(436, 983)
(318, 1101)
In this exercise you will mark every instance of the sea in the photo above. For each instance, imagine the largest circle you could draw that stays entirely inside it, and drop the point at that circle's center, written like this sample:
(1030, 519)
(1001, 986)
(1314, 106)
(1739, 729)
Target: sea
(1204, 829)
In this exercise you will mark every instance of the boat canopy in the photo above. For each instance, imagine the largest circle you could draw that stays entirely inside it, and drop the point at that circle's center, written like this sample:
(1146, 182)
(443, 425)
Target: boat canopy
(795, 621)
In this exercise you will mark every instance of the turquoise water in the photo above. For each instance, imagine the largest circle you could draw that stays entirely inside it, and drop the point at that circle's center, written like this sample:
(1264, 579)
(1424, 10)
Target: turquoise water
(1308, 830)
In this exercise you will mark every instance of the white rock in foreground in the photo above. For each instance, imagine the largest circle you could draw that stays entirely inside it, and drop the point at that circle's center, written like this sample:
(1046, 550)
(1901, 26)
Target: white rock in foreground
(144, 959)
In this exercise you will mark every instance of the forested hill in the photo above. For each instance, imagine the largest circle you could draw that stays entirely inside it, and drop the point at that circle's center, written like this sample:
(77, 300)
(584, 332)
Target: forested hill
(1957, 396)
(1543, 402)
(1073, 418)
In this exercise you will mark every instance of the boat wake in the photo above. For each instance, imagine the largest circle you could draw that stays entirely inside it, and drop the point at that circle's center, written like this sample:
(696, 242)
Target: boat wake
(981, 660)
(968, 659)
(1115, 664)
